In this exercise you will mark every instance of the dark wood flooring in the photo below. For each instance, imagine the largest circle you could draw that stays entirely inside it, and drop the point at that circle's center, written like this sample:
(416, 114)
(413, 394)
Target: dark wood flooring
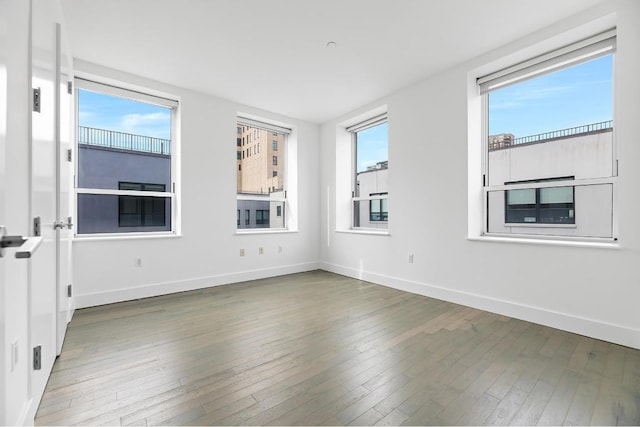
(318, 348)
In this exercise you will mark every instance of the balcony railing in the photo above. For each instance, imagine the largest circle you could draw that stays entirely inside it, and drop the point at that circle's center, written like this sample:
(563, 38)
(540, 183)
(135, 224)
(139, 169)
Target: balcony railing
(123, 141)
(556, 134)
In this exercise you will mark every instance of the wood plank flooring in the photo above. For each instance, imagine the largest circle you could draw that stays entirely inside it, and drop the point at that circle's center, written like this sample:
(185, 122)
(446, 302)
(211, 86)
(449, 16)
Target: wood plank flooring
(321, 349)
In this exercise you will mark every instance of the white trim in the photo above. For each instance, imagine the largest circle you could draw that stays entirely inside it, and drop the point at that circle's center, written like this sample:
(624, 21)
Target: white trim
(164, 288)
(134, 235)
(610, 332)
(250, 231)
(371, 231)
(547, 240)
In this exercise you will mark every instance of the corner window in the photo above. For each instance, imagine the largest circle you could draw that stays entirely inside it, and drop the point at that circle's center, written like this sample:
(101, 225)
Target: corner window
(261, 177)
(371, 167)
(549, 149)
(125, 168)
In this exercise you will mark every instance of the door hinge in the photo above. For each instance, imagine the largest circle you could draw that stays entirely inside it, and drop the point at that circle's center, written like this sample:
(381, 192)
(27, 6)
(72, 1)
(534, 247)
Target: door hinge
(37, 358)
(69, 293)
(69, 155)
(37, 230)
(36, 99)
(70, 88)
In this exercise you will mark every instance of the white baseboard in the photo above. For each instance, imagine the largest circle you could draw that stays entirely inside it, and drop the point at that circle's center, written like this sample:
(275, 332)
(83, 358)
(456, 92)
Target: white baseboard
(589, 327)
(156, 289)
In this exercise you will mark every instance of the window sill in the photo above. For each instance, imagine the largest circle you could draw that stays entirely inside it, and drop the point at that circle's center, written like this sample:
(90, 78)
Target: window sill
(599, 244)
(538, 225)
(264, 231)
(122, 236)
(368, 231)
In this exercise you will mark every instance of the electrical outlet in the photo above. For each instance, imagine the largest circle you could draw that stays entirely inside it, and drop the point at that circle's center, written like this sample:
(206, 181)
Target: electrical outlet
(260, 250)
(138, 262)
(241, 252)
(410, 258)
(14, 355)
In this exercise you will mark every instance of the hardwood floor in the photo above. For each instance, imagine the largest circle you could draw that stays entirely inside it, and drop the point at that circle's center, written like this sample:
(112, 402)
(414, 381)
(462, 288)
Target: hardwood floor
(318, 348)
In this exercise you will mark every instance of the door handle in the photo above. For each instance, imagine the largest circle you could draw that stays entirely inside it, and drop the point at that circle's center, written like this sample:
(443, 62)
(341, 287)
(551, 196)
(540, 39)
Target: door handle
(27, 245)
(61, 224)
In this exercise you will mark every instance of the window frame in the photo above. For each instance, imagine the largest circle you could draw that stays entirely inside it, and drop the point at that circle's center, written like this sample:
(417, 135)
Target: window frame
(355, 193)
(599, 45)
(144, 95)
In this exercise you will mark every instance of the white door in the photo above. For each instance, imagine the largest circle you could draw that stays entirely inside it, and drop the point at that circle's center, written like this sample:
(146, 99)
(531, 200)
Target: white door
(44, 126)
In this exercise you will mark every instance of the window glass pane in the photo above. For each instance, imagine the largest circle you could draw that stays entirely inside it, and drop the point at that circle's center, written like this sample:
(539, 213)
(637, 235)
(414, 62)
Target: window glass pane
(521, 197)
(260, 172)
(122, 140)
(123, 145)
(565, 116)
(260, 178)
(105, 213)
(556, 195)
(371, 166)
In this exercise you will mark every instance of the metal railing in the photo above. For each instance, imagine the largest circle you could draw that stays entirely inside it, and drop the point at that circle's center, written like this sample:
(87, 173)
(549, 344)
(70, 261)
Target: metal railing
(123, 141)
(556, 134)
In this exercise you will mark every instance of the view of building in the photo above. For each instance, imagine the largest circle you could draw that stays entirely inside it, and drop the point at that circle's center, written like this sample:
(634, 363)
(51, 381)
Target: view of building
(370, 183)
(110, 160)
(564, 155)
(260, 177)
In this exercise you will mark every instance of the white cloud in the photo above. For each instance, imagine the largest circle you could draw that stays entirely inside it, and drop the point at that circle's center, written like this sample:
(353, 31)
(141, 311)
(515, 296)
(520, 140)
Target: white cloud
(151, 124)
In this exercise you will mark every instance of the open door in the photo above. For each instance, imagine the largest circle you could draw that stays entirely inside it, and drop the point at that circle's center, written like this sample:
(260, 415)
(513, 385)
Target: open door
(51, 136)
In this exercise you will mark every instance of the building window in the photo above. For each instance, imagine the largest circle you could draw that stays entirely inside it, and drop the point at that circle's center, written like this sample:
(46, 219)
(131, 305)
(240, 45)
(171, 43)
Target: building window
(118, 158)
(278, 210)
(371, 168)
(274, 145)
(238, 214)
(238, 142)
(238, 156)
(262, 217)
(553, 205)
(378, 210)
(141, 211)
(247, 217)
(261, 182)
(546, 118)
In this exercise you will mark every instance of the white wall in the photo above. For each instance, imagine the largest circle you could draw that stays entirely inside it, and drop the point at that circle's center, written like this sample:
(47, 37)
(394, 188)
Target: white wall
(207, 252)
(592, 290)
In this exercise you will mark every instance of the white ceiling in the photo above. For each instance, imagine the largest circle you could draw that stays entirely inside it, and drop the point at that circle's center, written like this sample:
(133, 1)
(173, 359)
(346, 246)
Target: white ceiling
(273, 54)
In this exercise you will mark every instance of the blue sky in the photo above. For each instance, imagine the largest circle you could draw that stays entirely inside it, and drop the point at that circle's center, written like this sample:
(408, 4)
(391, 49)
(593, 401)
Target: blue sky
(575, 96)
(123, 115)
(373, 146)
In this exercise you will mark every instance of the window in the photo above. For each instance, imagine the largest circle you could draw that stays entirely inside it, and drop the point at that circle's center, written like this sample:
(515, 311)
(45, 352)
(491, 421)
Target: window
(247, 217)
(125, 145)
(378, 210)
(141, 211)
(278, 210)
(549, 144)
(262, 217)
(274, 145)
(553, 205)
(238, 215)
(261, 178)
(371, 168)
